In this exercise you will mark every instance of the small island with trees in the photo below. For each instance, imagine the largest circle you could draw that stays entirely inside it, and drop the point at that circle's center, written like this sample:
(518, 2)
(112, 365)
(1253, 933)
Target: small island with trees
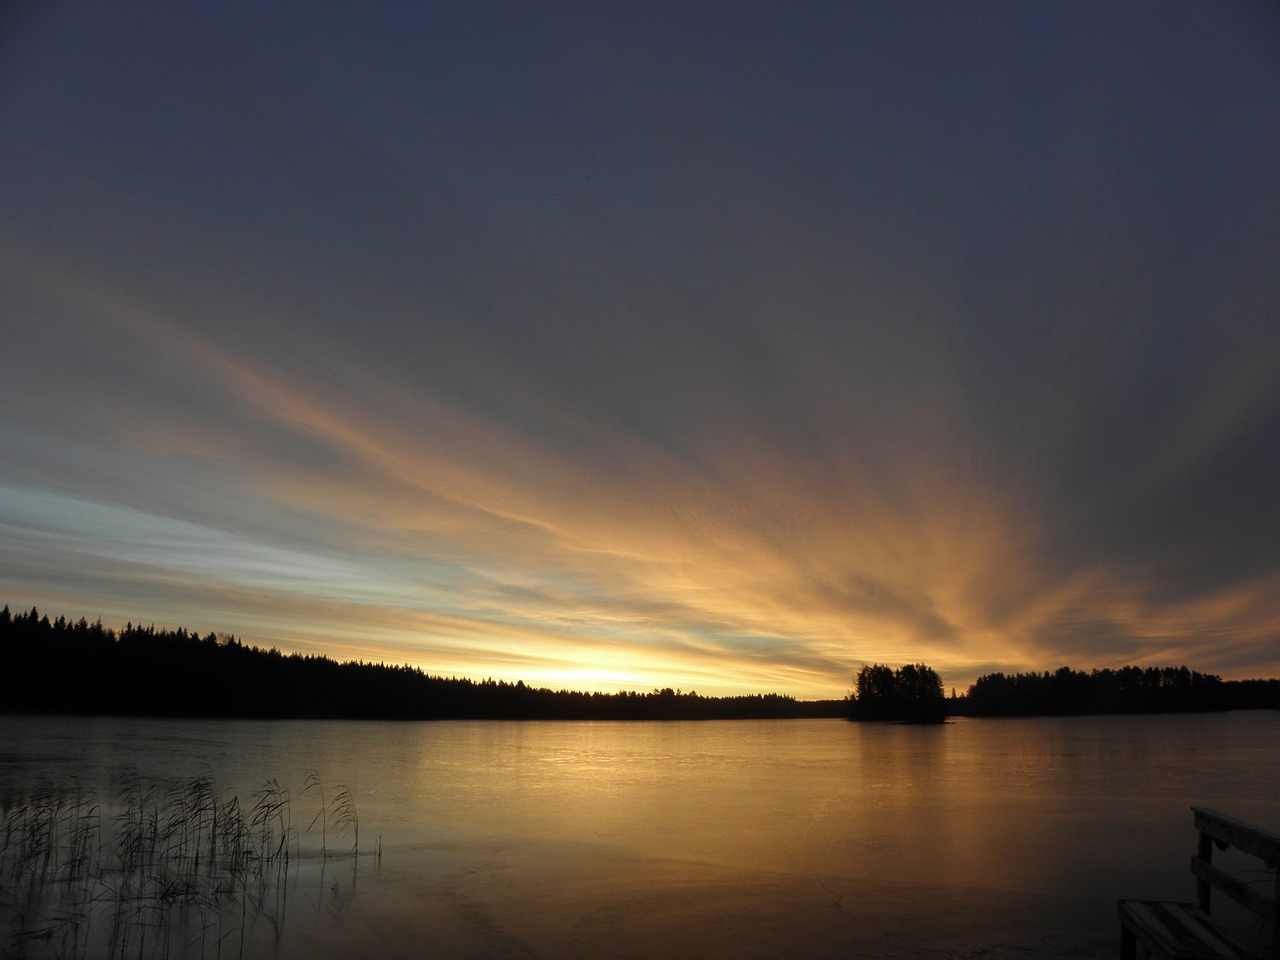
(59, 666)
(910, 694)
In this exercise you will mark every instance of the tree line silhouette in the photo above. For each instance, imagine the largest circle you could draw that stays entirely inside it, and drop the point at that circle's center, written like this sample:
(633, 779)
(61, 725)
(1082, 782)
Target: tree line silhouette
(1126, 690)
(913, 693)
(63, 667)
(85, 668)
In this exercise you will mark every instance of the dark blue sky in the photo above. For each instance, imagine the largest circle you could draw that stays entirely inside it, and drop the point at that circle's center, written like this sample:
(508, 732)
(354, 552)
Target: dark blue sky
(706, 345)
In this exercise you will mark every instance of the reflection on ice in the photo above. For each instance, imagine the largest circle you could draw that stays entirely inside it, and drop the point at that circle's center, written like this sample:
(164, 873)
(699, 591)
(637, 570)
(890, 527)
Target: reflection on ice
(166, 870)
(743, 839)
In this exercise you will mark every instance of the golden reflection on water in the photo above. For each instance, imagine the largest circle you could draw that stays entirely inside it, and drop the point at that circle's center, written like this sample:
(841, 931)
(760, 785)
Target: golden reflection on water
(701, 839)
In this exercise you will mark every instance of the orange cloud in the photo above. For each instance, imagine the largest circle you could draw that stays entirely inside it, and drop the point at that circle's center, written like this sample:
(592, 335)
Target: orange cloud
(417, 531)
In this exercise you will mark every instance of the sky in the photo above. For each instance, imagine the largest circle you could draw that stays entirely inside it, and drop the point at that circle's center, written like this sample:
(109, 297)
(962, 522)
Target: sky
(720, 346)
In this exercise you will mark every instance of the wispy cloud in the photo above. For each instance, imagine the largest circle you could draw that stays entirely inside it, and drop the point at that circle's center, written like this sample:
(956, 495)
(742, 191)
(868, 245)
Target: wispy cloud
(731, 376)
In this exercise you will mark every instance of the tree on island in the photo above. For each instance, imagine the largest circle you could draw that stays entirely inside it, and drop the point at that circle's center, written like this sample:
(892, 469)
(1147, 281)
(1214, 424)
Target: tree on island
(910, 694)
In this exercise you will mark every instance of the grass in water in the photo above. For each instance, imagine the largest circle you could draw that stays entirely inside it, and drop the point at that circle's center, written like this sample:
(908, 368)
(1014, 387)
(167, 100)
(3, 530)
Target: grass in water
(174, 870)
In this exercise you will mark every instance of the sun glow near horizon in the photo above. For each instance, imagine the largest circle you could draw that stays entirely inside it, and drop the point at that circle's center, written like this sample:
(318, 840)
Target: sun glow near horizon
(649, 362)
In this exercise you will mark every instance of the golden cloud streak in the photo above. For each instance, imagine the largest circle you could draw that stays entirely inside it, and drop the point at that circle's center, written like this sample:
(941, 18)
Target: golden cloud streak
(745, 552)
(739, 567)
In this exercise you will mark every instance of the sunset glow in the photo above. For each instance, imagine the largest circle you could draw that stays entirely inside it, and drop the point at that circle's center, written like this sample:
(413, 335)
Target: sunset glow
(549, 350)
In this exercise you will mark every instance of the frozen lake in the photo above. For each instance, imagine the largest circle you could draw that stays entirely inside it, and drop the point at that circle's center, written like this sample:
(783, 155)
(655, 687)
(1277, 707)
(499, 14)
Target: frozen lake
(737, 839)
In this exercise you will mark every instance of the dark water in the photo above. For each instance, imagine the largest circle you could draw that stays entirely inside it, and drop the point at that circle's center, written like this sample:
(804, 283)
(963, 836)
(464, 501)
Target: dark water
(805, 838)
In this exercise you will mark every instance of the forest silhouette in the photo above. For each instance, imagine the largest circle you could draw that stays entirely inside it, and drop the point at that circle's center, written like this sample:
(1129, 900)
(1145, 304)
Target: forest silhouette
(86, 668)
(1126, 690)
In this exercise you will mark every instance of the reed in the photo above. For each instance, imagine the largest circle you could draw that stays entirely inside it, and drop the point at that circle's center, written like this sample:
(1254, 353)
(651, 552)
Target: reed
(178, 869)
(344, 817)
(313, 783)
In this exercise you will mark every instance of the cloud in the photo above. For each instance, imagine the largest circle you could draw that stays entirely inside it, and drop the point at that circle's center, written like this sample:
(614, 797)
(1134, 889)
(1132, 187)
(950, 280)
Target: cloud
(816, 348)
(727, 555)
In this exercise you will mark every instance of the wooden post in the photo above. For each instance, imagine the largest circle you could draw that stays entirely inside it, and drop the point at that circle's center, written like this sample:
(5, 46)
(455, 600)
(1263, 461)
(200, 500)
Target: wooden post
(1205, 853)
(1128, 943)
(1275, 920)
